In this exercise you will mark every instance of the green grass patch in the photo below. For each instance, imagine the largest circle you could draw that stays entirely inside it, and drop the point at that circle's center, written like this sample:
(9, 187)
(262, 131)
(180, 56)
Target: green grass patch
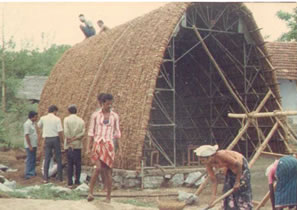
(45, 192)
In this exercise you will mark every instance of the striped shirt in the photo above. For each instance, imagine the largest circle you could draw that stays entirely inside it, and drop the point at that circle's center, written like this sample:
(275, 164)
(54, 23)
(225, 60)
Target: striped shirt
(101, 131)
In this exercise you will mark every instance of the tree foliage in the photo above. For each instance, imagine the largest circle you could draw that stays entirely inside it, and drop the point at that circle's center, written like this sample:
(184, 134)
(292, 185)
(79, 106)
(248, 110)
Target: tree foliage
(18, 64)
(291, 20)
(24, 62)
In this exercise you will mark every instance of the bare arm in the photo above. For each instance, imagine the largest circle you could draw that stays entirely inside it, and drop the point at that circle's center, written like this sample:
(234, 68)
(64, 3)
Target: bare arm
(214, 182)
(233, 162)
(28, 142)
(81, 134)
(89, 144)
(61, 136)
(271, 189)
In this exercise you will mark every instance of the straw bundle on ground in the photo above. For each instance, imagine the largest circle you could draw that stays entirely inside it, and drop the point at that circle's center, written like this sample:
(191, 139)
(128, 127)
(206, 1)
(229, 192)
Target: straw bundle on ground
(171, 205)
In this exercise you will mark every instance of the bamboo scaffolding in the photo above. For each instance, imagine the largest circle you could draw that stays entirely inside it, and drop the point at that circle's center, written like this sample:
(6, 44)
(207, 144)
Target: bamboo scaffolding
(263, 145)
(276, 155)
(263, 114)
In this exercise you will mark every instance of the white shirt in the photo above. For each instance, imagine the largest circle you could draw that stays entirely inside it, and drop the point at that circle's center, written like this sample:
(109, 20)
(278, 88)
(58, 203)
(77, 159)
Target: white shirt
(74, 126)
(51, 125)
(29, 128)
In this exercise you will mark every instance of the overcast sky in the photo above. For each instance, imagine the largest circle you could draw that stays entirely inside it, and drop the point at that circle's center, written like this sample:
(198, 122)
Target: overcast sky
(60, 24)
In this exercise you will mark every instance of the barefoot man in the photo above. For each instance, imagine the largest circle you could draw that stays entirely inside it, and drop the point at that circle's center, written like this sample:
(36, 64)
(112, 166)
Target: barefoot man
(237, 177)
(104, 126)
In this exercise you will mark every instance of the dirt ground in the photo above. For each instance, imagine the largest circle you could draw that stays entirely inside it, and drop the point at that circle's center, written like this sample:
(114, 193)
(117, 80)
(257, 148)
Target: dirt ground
(259, 185)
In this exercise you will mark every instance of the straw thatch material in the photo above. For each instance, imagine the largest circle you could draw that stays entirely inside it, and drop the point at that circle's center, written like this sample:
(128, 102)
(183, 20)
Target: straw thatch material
(125, 61)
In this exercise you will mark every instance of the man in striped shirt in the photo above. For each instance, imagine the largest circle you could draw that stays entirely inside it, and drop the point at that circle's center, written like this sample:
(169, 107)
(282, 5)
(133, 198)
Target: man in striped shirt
(104, 127)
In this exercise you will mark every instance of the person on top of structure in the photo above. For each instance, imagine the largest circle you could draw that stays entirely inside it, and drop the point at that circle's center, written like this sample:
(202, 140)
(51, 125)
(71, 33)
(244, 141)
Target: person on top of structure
(87, 26)
(102, 26)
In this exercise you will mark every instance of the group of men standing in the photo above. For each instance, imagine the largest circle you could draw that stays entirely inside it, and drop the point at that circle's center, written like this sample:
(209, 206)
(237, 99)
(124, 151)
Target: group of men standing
(103, 131)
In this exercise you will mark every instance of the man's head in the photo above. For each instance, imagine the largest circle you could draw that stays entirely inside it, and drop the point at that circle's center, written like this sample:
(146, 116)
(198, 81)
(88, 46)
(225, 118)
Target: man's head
(100, 23)
(206, 152)
(82, 18)
(52, 109)
(32, 116)
(107, 100)
(100, 97)
(72, 109)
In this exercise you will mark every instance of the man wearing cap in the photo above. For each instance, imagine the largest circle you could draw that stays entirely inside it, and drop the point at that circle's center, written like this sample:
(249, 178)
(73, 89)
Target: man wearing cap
(237, 176)
(74, 130)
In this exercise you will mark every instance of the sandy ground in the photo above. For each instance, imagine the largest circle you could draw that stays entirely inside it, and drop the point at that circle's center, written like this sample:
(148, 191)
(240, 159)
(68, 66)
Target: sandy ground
(29, 204)
(259, 185)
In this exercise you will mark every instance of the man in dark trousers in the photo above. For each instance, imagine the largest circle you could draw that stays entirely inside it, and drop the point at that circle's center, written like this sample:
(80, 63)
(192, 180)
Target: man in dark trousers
(52, 132)
(74, 130)
(87, 26)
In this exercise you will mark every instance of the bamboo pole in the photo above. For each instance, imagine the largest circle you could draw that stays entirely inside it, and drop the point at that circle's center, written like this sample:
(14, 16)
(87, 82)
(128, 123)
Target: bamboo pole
(246, 126)
(263, 114)
(276, 155)
(286, 142)
(239, 135)
(263, 145)
(263, 201)
(217, 67)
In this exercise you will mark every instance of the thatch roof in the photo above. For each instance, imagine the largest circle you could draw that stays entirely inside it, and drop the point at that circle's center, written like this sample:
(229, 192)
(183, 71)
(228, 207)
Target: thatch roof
(126, 62)
(284, 59)
(31, 87)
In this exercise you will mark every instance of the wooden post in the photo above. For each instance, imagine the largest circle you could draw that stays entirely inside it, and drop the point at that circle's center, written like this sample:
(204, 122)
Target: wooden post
(3, 80)
(219, 70)
(263, 145)
(263, 201)
(262, 114)
(276, 155)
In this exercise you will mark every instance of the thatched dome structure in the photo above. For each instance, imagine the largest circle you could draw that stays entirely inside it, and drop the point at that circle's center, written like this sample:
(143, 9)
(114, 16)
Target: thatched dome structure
(166, 89)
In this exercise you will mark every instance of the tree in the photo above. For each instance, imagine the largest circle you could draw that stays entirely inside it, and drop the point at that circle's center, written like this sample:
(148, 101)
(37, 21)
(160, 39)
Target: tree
(19, 64)
(291, 20)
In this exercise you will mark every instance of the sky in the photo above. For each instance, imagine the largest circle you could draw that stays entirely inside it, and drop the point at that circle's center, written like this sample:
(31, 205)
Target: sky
(59, 23)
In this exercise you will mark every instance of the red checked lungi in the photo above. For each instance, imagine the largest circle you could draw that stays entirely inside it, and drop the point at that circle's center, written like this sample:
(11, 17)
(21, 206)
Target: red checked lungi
(103, 151)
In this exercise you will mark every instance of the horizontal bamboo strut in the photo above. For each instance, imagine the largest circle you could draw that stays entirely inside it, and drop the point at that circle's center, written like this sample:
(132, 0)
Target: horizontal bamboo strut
(263, 114)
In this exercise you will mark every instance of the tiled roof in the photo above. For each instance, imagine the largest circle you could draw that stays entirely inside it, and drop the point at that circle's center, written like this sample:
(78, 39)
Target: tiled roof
(284, 59)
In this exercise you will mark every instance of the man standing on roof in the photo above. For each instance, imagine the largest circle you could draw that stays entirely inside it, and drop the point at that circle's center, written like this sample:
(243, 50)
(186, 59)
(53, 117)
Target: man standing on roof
(87, 26)
(102, 27)
(104, 126)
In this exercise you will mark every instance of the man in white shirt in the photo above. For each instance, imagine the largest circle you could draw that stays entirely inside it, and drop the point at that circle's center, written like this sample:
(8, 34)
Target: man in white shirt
(87, 26)
(74, 130)
(30, 143)
(52, 132)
